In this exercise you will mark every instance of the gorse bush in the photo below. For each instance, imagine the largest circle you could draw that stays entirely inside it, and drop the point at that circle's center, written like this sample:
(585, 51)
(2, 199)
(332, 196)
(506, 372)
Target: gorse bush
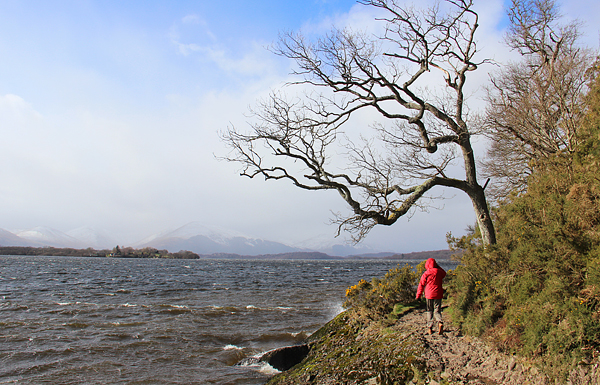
(379, 296)
(537, 291)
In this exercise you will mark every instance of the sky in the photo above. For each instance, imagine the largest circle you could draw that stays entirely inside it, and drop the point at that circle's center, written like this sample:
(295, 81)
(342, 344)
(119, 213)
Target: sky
(110, 113)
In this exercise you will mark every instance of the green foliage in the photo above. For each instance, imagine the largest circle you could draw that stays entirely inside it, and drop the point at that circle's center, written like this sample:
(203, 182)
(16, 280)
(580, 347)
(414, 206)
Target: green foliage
(537, 291)
(378, 297)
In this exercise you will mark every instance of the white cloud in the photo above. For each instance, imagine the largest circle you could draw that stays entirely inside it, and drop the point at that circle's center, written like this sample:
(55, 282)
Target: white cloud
(188, 28)
(253, 60)
(187, 49)
(14, 107)
(191, 19)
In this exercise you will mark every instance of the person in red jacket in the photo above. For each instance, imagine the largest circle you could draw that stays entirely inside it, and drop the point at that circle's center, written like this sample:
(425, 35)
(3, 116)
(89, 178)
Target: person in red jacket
(431, 281)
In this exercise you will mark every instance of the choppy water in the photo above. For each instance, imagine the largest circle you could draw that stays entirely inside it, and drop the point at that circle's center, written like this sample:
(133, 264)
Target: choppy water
(155, 321)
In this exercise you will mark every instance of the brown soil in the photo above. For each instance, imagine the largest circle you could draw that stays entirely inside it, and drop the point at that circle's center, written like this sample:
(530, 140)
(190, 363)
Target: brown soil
(457, 359)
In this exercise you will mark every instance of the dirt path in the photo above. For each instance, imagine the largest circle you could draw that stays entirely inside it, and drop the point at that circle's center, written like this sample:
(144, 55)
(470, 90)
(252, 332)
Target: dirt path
(463, 360)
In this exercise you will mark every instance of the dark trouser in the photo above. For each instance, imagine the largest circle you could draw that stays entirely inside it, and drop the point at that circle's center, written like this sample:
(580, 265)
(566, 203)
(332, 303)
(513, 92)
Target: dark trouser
(434, 310)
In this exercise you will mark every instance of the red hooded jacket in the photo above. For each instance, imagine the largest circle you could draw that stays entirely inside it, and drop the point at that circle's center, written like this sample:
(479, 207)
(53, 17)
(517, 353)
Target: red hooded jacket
(431, 280)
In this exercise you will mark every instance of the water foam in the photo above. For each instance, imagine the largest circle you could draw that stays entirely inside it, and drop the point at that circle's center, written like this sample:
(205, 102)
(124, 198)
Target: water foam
(267, 369)
(335, 309)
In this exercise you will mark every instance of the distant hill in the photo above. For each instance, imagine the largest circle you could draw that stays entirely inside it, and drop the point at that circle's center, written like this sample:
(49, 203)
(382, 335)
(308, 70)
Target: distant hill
(293, 255)
(207, 242)
(9, 239)
(98, 239)
(50, 237)
(423, 255)
(40, 236)
(202, 239)
(419, 255)
(416, 255)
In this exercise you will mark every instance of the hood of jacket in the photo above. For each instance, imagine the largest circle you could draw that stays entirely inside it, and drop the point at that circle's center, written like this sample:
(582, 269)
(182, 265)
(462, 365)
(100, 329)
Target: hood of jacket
(431, 264)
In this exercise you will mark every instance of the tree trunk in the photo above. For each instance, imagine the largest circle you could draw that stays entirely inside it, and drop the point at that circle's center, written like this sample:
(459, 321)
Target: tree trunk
(484, 220)
(477, 194)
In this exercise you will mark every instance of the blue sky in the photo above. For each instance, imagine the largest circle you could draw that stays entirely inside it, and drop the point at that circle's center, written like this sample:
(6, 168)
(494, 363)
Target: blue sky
(110, 113)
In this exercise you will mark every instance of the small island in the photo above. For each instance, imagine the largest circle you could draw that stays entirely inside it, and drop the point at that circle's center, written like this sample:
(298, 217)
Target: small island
(117, 252)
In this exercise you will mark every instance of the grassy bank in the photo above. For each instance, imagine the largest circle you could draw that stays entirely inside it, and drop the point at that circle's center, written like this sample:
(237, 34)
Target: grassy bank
(353, 349)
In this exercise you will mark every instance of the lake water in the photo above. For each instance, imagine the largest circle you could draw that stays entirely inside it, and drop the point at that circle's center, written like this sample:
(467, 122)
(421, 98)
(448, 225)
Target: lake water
(157, 321)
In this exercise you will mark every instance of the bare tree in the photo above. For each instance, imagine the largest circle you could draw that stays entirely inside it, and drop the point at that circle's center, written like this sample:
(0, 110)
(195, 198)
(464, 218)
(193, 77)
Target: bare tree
(413, 77)
(534, 106)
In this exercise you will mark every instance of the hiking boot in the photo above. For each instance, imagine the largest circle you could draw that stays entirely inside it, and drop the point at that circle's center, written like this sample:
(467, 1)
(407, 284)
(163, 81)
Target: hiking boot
(441, 331)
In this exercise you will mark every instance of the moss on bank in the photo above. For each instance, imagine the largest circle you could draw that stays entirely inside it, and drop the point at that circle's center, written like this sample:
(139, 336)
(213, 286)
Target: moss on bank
(351, 349)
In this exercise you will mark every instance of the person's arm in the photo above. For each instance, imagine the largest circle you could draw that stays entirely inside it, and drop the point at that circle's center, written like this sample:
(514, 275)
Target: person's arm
(422, 283)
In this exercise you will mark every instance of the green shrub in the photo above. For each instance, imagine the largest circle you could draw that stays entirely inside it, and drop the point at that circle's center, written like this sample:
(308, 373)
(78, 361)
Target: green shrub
(379, 296)
(537, 291)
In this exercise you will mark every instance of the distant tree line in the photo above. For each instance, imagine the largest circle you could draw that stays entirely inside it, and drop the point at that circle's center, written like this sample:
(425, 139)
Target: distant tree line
(117, 252)
(423, 255)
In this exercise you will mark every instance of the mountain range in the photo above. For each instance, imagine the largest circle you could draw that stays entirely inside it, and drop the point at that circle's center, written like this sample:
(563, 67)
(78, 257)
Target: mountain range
(194, 236)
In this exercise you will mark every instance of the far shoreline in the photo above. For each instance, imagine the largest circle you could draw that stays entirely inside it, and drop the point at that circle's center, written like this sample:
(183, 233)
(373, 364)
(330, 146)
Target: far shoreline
(128, 252)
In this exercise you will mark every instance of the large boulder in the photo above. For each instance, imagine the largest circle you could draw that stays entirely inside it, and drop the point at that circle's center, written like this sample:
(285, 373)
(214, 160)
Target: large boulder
(286, 357)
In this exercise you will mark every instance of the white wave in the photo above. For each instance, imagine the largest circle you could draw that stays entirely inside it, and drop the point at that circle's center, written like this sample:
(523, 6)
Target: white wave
(86, 303)
(260, 366)
(232, 347)
(276, 308)
(335, 309)
(267, 369)
(174, 306)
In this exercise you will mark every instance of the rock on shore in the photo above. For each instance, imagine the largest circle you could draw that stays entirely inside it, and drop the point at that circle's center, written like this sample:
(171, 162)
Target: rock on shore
(286, 357)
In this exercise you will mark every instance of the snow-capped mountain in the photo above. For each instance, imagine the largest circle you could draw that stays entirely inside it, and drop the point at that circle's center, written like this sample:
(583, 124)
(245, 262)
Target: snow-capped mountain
(9, 239)
(94, 238)
(194, 236)
(50, 237)
(80, 238)
(202, 239)
(192, 229)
